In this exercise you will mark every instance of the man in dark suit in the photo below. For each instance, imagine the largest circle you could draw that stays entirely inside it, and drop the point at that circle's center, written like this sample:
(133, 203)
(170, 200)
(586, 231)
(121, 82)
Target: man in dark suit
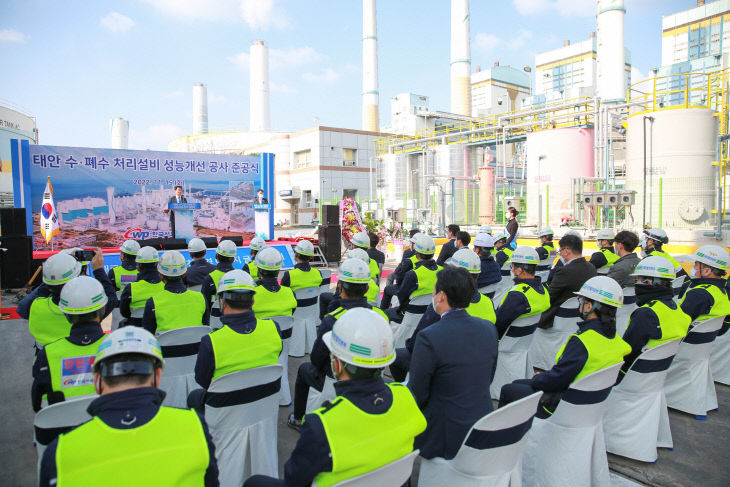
(448, 249)
(569, 278)
(260, 200)
(178, 198)
(452, 366)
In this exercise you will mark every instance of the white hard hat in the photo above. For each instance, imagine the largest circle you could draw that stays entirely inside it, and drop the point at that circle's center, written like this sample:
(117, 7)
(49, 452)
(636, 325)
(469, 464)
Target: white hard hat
(603, 289)
(714, 256)
(82, 295)
(60, 268)
(359, 254)
(361, 240)
(485, 229)
(355, 271)
(361, 337)
(269, 259)
(257, 243)
(304, 247)
(501, 236)
(423, 244)
(147, 255)
(545, 231)
(236, 281)
(483, 239)
(605, 234)
(415, 235)
(657, 234)
(525, 255)
(655, 266)
(226, 248)
(468, 260)
(196, 245)
(130, 247)
(573, 232)
(129, 339)
(172, 264)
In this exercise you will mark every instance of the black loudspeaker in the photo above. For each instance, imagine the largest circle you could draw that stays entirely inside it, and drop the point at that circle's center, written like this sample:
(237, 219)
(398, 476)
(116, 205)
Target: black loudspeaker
(210, 242)
(330, 241)
(152, 242)
(12, 222)
(174, 244)
(15, 267)
(330, 215)
(236, 239)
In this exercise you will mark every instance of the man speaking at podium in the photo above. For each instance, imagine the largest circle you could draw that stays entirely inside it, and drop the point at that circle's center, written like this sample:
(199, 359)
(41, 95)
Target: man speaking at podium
(178, 198)
(260, 200)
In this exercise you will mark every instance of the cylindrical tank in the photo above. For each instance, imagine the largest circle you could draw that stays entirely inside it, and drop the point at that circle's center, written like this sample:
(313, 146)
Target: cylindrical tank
(553, 158)
(259, 120)
(391, 173)
(680, 148)
(460, 58)
(611, 57)
(486, 198)
(120, 133)
(200, 109)
(450, 162)
(370, 116)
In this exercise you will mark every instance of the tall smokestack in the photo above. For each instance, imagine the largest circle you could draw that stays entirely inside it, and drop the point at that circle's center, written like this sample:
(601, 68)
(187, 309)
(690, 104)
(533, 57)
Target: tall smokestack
(460, 58)
(120, 133)
(259, 120)
(370, 97)
(200, 109)
(611, 83)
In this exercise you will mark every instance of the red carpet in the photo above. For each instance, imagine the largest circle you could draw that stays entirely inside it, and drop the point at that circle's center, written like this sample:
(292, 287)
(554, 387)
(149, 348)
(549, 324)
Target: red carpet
(12, 312)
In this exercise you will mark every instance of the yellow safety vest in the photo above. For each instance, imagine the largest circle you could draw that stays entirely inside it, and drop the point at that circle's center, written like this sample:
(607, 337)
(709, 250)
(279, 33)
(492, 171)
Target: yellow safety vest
(671, 259)
(178, 310)
(505, 250)
(216, 275)
(234, 351)
(484, 309)
(122, 277)
(602, 352)
(299, 279)
(70, 367)
(337, 314)
(674, 323)
(721, 305)
(537, 303)
(426, 280)
(361, 442)
(372, 294)
(46, 322)
(611, 258)
(253, 271)
(267, 303)
(374, 269)
(141, 291)
(169, 450)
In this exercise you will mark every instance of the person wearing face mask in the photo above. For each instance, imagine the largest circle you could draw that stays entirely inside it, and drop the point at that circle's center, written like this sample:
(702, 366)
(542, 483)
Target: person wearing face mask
(624, 243)
(606, 256)
(707, 296)
(490, 272)
(452, 366)
(546, 251)
(595, 346)
(503, 252)
(658, 319)
(651, 243)
(528, 296)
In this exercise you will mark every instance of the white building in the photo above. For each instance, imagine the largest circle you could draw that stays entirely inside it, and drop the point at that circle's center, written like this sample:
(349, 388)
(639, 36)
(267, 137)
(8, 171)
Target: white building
(700, 32)
(14, 124)
(499, 89)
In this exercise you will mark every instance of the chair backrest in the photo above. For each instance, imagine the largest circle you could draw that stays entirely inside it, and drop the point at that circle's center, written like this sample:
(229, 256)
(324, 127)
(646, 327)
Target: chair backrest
(623, 314)
(677, 284)
(489, 290)
(58, 418)
(519, 334)
(243, 398)
(697, 345)
(394, 473)
(136, 312)
(418, 305)
(649, 370)
(567, 317)
(285, 325)
(326, 280)
(506, 270)
(583, 403)
(180, 349)
(196, 288)
(306, 297)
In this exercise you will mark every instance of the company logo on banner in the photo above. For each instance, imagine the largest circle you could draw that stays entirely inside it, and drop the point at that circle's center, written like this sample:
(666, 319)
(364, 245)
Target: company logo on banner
(104, 196)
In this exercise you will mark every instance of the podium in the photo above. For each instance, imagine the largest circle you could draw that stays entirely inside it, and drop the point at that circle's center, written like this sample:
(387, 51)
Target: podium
(183, 219)
(262, 220)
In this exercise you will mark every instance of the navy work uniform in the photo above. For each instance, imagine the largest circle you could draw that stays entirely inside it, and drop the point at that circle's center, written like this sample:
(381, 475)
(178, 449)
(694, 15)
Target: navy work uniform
(417, 282)
(198, 270)
(526, 298)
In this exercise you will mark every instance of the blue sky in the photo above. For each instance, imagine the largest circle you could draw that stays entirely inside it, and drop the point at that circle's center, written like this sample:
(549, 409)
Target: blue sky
(76, 64)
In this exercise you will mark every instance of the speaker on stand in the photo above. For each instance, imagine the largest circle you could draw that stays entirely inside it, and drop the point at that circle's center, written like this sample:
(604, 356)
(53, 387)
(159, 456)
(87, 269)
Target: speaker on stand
(330, 241)
(15, 267)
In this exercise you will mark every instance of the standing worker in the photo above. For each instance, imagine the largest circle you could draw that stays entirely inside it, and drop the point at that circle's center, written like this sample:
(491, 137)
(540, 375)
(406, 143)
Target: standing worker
(148, 283)
(707, 295)
(512, 226)
(131, 436)
(272, 299)
(367, 411)
(651, 243)
(175, 306)
(199, 267)
(225, 254)
(606, 256)
(303, 275)
(256, 245)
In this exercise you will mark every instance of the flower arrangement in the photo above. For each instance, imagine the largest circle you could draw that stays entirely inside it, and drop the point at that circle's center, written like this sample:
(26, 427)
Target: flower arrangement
(350, 219)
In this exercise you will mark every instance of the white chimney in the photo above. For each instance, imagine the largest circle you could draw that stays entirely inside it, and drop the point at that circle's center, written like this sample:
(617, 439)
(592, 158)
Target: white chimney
(370, 98)
(200, 109)
(120, 133)
(611, 59)
(259, 120)
(460, 58)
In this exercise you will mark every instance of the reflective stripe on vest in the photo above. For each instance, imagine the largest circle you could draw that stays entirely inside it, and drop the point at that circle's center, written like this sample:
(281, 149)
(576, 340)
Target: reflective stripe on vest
(267, 303)
(372, 295)
(484, 309)
(128, 277)
(674, 323)
(46, 322)
(413, 259)
(362, 442)
(173, 439)
(602, 352)
(611, 258)
(536, 303)
(178, 310)
(141, 291)
(337, 314)
(720, 306)
(374, 269)
(70, 366)
(216, 275)
(507, 251)
(298, 279)
(671, 259)
(426, 280)
(234, 351)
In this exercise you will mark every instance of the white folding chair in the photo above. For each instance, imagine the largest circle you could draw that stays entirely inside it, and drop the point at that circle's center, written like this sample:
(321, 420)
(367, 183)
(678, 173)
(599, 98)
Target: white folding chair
(326, 280)
(241, 410)
(285, 325)
(689, 386)
(568, 449)
(136, 313)
(215, 315)
(59, 418)
(393, 473)
(720, 359)
(380, 274)
(197, 288)
(414, 312)
(543, 267)
(505, 284)
(180, 350)
(491, 454)
(306, 318)
(489, 290)
(512, 360)
(677, 286)
(636, 420)
(316, 398)
(547, 341)
(117, 317)
(624, 312)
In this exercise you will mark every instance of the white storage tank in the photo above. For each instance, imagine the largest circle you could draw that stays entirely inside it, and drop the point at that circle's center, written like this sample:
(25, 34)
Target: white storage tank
(119, 132)
(680, 149)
